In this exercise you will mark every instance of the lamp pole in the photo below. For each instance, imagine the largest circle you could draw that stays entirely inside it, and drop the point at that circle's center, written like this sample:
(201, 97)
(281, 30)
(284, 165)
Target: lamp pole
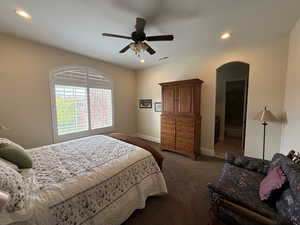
(265, 116)
(264, 140)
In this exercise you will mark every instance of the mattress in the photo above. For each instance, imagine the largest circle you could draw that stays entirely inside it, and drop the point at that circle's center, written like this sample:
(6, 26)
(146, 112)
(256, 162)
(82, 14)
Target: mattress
(92, 180)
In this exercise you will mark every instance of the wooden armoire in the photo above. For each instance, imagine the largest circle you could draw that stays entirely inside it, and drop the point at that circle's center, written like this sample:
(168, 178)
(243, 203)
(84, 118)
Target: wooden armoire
(180, 118)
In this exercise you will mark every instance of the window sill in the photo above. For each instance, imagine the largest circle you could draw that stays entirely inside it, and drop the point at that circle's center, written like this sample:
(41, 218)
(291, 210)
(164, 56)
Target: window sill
(68, 137)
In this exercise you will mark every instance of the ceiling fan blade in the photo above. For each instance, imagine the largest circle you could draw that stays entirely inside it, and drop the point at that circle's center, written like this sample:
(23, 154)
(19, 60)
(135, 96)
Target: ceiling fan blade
(160, 38)
(125, 49)
(115, 35)
(149, 49)
(140, 24)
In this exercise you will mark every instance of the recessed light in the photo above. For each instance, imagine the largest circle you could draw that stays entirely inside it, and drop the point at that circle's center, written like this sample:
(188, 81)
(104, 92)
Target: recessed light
(225, 35)
(142, 60)
(23, 14)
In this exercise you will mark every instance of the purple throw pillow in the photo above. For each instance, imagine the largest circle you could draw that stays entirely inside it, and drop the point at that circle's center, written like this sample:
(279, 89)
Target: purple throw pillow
(274, 180)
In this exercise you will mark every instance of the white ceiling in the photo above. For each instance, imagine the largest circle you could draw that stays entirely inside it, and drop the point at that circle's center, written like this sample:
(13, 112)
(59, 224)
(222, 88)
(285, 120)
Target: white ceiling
(76, 25)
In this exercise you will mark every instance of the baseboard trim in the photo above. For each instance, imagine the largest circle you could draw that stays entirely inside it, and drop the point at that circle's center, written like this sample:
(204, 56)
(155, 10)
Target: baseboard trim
(207, 151)
(149, 138)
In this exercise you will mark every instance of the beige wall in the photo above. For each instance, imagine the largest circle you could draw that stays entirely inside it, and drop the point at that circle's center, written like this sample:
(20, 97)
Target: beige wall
(25, 96)
(266, 86)
(291, 130)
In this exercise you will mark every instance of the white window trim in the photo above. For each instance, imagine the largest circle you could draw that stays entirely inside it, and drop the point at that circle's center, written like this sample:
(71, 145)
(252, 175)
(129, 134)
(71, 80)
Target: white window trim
(60, 138)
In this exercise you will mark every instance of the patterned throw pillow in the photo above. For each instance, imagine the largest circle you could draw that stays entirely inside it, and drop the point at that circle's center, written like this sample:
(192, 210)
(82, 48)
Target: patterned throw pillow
(14, 184)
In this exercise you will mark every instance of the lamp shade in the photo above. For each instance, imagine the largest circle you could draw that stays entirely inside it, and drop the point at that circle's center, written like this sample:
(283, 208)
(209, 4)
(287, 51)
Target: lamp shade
(265, 116)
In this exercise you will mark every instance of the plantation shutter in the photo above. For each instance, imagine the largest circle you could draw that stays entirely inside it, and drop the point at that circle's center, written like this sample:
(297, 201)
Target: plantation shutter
(71, 109)
(82, 100)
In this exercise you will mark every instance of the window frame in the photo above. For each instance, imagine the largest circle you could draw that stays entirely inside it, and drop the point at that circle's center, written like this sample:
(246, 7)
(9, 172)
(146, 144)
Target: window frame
(53, 81)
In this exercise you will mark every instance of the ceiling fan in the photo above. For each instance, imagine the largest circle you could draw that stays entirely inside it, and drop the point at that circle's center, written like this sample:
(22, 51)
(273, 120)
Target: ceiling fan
(139, 37)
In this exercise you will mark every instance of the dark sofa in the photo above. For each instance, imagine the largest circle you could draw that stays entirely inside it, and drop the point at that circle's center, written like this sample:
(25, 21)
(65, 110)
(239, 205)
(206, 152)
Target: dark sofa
(234, 199)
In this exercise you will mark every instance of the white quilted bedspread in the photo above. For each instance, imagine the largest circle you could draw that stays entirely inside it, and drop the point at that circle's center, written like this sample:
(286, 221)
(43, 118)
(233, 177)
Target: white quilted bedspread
(95, 180)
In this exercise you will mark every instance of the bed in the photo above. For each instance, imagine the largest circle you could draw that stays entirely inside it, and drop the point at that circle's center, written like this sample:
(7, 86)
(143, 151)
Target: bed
(96, 180)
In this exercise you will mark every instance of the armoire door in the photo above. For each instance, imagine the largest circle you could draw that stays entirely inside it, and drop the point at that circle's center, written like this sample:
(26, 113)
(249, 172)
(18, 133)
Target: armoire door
(169, 96)
(184, 99)
(167, 131)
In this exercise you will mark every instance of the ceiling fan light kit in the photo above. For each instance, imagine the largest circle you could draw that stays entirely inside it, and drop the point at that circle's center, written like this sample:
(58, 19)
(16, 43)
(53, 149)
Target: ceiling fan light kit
(138, 48)
(139, 37)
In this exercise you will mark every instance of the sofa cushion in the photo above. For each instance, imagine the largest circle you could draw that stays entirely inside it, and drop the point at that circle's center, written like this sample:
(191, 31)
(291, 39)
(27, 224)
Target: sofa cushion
(293, 175)
(279, 160)
(285, 205)
(249, 163)
(288, 205)
(242, 187)
(295, 218)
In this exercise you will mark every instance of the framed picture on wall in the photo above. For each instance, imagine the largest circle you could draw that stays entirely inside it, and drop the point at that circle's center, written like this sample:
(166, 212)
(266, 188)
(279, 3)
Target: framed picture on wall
(157, 107)
(145, 103)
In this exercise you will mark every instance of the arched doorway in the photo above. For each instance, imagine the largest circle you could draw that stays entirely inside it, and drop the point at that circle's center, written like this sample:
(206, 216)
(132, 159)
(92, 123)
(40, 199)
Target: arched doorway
(231, 108)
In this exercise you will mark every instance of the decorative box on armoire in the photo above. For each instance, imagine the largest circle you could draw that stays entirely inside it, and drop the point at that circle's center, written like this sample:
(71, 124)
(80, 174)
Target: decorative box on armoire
(180, 118)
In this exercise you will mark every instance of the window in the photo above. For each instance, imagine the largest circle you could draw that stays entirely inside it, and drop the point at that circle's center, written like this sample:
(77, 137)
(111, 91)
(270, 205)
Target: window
(101, 108)
(81, 103)
(71, 109)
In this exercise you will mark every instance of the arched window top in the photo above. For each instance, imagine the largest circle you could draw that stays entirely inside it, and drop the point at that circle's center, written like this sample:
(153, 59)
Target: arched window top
(81, 76)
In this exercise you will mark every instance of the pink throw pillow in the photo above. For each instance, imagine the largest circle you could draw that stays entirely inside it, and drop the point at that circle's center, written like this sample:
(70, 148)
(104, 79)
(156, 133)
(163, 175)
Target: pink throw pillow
(274, 180)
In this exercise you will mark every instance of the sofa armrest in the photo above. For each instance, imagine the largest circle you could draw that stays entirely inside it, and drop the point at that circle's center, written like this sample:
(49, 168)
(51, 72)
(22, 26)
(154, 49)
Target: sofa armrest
(249, 163)
(251, 215)
(218, 201)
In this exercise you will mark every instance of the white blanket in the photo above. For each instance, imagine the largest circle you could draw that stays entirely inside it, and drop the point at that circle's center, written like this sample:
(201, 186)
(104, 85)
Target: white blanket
(93, 180)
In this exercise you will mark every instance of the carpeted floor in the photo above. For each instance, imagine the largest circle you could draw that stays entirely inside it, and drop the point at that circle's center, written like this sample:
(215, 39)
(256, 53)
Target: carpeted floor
(228, 145)
(187, 201)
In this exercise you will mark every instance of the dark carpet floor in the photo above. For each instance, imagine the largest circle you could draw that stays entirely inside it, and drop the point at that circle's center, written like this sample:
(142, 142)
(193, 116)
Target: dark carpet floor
(187, 201)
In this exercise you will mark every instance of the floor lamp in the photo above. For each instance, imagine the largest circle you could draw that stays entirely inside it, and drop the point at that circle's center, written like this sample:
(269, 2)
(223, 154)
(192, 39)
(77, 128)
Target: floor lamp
(265, 116)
